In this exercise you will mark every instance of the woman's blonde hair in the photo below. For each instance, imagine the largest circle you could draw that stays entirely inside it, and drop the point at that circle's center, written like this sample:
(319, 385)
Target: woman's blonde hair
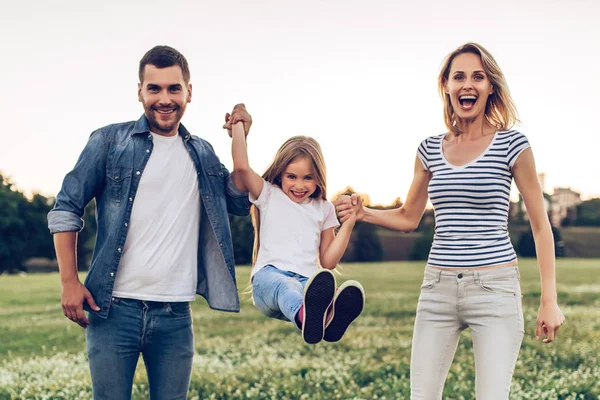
(293, 148)
(500, 110)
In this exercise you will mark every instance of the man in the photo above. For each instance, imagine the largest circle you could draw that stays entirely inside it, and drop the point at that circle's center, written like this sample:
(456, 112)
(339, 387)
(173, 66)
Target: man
(162, 199)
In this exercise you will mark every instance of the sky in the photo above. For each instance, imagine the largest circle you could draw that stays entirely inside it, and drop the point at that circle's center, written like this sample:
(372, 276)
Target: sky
(358, 76)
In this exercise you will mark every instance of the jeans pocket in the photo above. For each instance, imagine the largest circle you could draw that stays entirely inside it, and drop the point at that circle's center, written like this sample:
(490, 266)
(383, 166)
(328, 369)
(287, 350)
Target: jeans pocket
(428, 284)
(179, 309)
(503, 297)
(500, 286)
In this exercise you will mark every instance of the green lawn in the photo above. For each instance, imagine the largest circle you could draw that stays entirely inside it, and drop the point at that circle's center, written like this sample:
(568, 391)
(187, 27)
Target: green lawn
(248, 356)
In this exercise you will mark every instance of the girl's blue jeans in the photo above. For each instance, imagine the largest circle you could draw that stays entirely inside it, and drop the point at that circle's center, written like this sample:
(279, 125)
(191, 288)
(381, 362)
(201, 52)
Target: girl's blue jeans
(277, 293)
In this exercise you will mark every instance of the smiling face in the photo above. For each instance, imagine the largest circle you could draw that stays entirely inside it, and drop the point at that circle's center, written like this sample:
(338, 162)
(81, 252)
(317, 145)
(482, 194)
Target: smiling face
(164, 95)
(468, 87)
(298, 180)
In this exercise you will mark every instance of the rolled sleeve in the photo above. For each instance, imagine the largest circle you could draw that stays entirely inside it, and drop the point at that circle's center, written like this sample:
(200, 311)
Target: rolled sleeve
(80, 185)
(64, 221)
(237, 201)
(232, 190)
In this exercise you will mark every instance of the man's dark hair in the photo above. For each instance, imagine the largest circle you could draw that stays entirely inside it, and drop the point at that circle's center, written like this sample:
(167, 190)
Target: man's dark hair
(163, 57)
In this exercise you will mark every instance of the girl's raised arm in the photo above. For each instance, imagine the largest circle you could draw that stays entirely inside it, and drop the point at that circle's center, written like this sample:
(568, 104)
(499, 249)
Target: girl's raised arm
(243, 176)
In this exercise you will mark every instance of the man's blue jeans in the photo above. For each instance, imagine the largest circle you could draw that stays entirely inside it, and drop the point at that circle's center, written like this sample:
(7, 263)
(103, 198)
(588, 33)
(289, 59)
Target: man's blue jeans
(162, 332)
(277, 293)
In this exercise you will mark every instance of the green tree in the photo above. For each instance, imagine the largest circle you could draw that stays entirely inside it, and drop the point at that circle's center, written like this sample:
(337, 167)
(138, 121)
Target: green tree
(588, 213)
(421, 247)
(34, 214)
(517, 218)
(526, 244)
(13, 233)
(242, 234)
(366, 244)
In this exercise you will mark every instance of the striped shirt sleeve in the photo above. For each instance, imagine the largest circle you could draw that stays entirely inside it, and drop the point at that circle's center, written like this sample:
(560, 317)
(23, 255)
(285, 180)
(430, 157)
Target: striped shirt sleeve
(423, 154)
(518, 143)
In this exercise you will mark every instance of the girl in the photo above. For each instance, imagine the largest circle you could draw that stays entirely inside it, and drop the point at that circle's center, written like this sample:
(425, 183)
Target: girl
(294, 233)
(471, 278)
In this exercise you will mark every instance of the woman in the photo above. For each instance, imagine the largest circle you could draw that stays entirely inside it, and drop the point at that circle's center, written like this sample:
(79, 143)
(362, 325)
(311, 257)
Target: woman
(471, 278)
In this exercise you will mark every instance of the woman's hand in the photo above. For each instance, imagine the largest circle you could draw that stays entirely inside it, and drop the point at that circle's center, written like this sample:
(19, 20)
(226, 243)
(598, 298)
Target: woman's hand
(549, 320)
(349, 207)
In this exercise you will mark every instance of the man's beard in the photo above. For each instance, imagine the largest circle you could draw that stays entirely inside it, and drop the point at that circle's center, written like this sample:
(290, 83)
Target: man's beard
(155, 125)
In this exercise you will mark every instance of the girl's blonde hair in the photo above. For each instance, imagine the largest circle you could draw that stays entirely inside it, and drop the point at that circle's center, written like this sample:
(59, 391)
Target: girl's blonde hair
(293, 148)
(500, 110)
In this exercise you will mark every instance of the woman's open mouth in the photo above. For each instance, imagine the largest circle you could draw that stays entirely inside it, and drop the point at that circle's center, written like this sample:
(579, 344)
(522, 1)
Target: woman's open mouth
(467, 102)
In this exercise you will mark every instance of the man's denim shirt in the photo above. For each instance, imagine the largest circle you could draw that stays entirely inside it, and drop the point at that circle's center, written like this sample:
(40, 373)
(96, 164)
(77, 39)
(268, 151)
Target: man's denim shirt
(109, 169)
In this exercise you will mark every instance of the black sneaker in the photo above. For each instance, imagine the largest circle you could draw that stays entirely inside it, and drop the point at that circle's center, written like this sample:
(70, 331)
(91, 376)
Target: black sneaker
(318, 295)
(348, 303)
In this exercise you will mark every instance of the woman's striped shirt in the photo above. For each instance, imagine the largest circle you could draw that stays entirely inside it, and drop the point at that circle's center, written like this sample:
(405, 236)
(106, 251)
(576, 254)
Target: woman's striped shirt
(471, 202)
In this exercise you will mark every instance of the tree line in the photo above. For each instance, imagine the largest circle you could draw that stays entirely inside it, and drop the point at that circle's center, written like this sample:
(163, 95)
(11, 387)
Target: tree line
(24, 232)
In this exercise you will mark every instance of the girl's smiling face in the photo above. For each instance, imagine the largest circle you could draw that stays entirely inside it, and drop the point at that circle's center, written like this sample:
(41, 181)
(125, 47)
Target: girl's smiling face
(297, 181)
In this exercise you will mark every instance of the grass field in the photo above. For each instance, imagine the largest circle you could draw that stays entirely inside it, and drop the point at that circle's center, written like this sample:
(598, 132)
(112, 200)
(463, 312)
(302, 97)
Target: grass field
(248, 356)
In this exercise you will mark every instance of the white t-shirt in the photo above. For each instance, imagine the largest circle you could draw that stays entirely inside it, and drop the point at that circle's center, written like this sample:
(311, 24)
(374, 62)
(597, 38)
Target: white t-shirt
(160, 256)
(290, 233)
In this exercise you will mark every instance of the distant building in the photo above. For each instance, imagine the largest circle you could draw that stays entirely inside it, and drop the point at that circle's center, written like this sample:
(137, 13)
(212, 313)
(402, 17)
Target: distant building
(561, 205)
(564, 202)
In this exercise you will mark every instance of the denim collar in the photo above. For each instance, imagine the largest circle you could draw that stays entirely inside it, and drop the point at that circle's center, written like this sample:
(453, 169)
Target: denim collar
(141, 126)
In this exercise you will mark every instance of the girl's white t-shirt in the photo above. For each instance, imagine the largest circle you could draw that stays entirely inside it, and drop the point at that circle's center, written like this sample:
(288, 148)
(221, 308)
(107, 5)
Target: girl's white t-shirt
(290, 232)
